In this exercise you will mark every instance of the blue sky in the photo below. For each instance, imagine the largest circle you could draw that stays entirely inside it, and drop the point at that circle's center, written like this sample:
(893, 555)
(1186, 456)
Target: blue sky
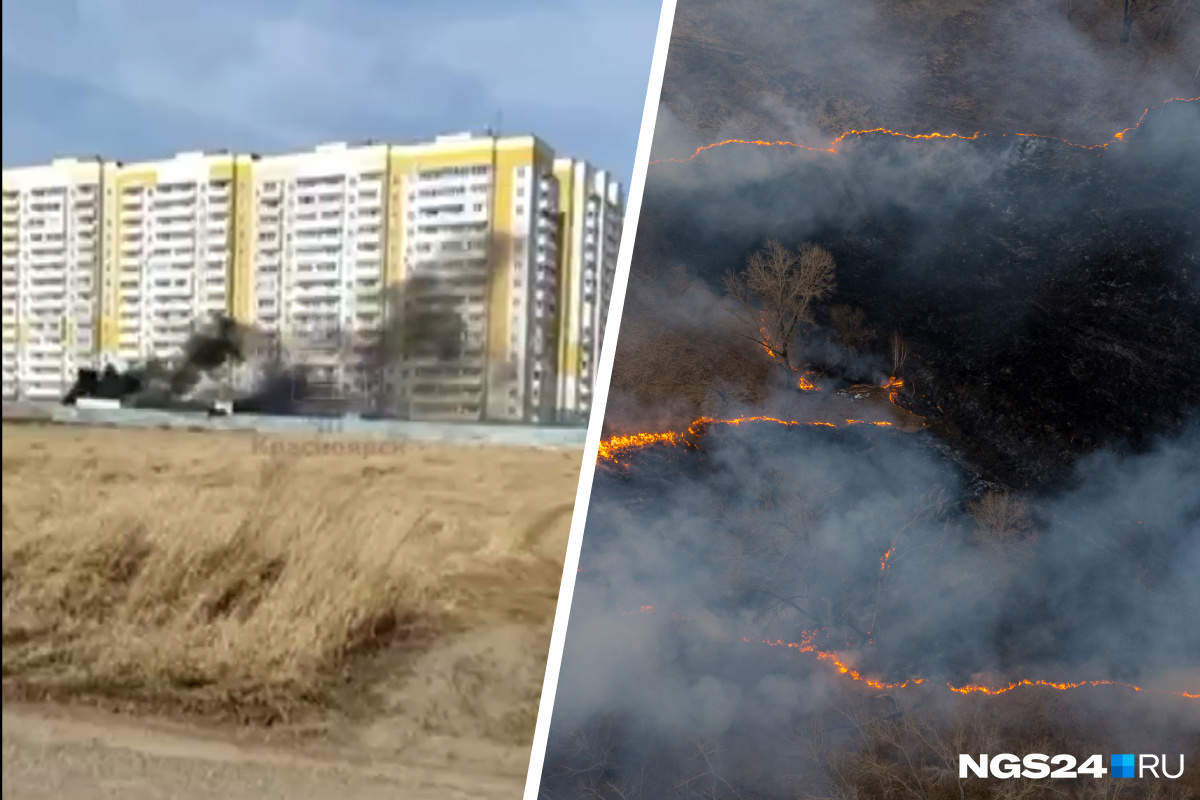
(135, 79)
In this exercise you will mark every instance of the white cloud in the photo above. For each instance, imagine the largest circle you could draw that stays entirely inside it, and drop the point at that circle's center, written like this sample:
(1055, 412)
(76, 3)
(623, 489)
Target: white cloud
(290, 74)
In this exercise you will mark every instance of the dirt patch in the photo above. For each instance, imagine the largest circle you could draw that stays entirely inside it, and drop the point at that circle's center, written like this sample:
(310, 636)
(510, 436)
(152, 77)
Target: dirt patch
(84, 754)
(186, 572)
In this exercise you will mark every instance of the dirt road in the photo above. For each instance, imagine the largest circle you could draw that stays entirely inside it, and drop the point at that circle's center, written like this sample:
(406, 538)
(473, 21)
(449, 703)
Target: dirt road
(50, 754)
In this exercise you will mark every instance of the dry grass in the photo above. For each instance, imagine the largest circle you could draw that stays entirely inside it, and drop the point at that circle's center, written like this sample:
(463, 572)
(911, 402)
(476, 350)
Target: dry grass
(184, 571)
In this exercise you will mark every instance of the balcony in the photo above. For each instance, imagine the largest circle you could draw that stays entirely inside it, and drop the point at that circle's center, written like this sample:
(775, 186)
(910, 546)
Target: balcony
(166, 338)
(172, 309)
(316, 280)
(44, 350)
(169, 229)
(313, 245)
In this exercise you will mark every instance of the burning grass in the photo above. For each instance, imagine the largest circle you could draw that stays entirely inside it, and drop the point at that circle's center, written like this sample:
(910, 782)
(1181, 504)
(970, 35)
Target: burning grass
(183, 572)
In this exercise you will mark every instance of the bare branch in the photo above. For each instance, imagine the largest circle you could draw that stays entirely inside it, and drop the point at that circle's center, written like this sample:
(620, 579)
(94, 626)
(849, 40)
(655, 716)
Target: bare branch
(899, 352)
(775, 292)
(1001, 518)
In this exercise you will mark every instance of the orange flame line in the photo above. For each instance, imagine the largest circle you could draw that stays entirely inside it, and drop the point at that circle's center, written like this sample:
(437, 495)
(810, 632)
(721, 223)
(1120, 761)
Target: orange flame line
(639, 610)
(832, 148)
(805, 645)
(615, 447)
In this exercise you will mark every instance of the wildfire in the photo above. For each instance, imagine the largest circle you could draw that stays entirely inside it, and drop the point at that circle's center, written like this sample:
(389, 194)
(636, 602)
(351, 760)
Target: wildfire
(806, 385)
(766, 337)
(806, 644)
(894, 386)
(883, 562)
(833, 145)
(615, 448)
(976, 689)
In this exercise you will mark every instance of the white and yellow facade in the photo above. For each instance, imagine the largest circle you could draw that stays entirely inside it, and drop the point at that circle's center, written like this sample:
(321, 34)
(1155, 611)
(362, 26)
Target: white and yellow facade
(107, 262)
(178, 252)
(591, 216)
(53, 259)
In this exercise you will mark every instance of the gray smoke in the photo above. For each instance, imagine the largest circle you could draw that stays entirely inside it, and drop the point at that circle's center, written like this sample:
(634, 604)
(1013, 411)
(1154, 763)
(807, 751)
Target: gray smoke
(225, 360)
(1049, 291)
(781, 533)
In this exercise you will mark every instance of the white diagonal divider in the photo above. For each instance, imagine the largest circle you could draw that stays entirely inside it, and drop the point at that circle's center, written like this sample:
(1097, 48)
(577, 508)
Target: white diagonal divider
(658, 66)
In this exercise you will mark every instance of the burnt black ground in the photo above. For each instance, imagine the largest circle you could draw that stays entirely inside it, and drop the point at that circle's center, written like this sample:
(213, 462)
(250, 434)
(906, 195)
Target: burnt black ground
(1052, 308)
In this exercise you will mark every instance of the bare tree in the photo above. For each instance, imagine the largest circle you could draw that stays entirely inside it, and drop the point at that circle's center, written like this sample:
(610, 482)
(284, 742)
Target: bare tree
(1136, 9)
(677, 280)
(851, 325)
(707, 778)
(1000, 518)
(775, 293)
(770, 552)
(1103, 790)
(771, 555)
(912, 756)
(675, 368)
(1160, 792)
(899, 352)
(1171, 17)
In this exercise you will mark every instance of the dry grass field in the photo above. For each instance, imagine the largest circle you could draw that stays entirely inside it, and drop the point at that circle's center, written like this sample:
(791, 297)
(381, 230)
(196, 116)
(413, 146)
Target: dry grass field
(407, 595)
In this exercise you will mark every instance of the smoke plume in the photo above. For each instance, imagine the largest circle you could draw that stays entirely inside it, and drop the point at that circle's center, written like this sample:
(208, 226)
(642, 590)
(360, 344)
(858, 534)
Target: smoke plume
(994, 549)
(224, 360)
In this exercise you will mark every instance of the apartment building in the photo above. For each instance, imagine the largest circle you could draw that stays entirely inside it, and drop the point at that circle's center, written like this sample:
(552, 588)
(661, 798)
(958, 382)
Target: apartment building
(470, 220)
(177, 252)
(52, 252)
(324, 251)
(591, 216)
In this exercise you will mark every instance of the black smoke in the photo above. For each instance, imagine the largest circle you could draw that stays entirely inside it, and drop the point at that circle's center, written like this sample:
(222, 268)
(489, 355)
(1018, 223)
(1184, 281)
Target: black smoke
(420, 324)
(215, 344)
(197, 378)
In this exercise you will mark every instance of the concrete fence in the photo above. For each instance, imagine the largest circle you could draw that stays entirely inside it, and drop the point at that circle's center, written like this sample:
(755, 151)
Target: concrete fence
(351, 427)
